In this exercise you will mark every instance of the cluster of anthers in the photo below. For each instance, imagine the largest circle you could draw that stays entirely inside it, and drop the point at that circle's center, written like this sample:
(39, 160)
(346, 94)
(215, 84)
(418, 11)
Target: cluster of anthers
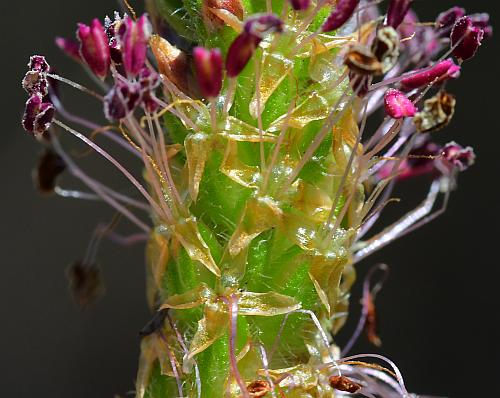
(374, 61)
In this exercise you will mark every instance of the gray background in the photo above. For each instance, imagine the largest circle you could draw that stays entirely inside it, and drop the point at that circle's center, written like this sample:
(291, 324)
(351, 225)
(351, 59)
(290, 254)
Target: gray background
(439, 308)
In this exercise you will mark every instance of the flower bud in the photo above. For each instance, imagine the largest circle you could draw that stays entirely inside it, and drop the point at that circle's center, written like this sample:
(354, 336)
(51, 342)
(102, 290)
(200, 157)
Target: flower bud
(340, 15)
(121, 100)
(94, 47)
(397, 105)
(441, 71)
(465, 38)
(69, 47)
(396, 12)
(208, 66)
(300, 5)
(38, 115)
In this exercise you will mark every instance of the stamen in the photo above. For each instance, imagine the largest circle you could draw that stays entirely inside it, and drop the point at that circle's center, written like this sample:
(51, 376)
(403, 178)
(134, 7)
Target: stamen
(75, 85)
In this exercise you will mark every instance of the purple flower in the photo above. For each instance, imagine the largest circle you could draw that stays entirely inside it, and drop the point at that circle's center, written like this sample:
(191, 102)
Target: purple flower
(441, 71)
(397, 11)
(121, 100)
(70, 47)
(397, 105)
(456, 157)
(300, 4)
(94, 47)
(133, 37)
(465, 38)
(208, 66)
(447, 19)
(38, 115)
(340, 15)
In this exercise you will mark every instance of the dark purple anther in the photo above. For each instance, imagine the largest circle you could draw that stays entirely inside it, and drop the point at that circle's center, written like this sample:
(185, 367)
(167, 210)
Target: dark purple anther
(397, 105)
(149, 81)
(240, 52)
(69, 47)
(35, 83)
(482, 21)
(441, 71)
(94, 47)
(456, 157)
(38, 115)
(38, 63)
(208, 66)
(300, 5)
(261, 25)
(447, 19)
(465, 38)
(397, 11)
(133, 37)
(340, 15)
(121, 100)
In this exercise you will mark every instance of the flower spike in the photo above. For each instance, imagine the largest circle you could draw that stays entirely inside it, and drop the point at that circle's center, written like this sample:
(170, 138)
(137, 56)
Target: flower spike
(397, 105)
(340, 15)
(466, 38)
(208, 65)
(133, 37)
(94, 47)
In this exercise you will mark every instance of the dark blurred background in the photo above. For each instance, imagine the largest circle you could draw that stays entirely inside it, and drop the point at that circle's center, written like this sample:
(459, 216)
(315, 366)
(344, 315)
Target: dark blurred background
(438, 310)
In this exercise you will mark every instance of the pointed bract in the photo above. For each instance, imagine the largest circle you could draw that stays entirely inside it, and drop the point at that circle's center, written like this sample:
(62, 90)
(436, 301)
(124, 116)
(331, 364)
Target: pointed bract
(94, 47)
